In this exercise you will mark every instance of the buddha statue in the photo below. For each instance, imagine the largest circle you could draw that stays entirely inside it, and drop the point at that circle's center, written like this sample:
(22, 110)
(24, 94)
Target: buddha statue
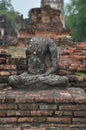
(42, 61)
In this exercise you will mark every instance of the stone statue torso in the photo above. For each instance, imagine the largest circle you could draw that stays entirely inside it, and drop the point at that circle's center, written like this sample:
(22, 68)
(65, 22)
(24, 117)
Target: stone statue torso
(36, 58)
(39, 55)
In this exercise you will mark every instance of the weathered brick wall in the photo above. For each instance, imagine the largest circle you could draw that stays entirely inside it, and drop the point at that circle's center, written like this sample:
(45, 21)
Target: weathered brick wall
(43, 110)
(45, 22)
(73, 61)
(74, 58)
(11, 66)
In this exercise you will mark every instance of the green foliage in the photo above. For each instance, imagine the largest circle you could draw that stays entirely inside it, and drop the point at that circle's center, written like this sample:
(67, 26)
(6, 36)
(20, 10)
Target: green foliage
(7, 9)
(6, 5)
(76, 19)
(11, 17)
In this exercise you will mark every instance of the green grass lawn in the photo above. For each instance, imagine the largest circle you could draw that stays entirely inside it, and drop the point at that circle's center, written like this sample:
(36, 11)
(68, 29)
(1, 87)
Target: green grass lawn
(16, 51)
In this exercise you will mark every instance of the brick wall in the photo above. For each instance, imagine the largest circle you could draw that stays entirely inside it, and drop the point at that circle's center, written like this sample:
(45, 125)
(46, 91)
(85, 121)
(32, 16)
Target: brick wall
(73, 64)
(11, 66)
(74, 58)
(43, 110)
(46, 22)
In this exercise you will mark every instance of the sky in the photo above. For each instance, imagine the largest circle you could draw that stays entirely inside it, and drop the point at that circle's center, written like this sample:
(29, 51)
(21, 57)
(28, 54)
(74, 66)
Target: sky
(23, 6)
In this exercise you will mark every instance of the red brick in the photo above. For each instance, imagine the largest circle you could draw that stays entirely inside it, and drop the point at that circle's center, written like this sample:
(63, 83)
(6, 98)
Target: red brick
(10, 128)
(2, 99)
(63, 100)
(83, 43)
(64, 120)
(2, 113)
(25, 119)
(72, 107)
(31, 119)
(12, 61)
(80, 113)
(7, 67)
(18, 113)
(35, 128)
(8, 106)
(28, 106)
(73, 56)
(13, 72)
(41, 113)
(2, 60)
(11, 113)
(63, 113)
(9, 99)
(44, 99)
(24, 99)
(17, 128)
(8, 120)
(80, 100)
(4, 73)
(79, 121)
(47, 107)
(39, 119)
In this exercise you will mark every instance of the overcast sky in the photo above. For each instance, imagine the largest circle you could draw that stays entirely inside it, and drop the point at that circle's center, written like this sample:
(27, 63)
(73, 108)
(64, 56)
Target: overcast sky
(23, 6)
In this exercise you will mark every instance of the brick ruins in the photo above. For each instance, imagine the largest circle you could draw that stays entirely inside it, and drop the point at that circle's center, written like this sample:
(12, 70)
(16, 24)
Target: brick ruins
(73, 61)
(57, 5)
(74, 58)
(47, 22)
(19, 23)
(45, 110)
(5, 29)
(4, 26)
(50, 109)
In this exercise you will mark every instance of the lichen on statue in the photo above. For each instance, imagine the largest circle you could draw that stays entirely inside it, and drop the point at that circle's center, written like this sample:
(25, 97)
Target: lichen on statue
(41, 55)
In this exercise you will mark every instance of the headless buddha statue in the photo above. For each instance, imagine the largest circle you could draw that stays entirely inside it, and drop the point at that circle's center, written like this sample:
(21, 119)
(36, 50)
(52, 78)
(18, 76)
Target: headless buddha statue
(42, 61)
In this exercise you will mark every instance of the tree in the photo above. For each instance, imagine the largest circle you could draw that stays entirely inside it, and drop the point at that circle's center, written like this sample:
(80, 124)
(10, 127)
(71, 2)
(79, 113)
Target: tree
(7, 9)
(6, 5)
(76, 19)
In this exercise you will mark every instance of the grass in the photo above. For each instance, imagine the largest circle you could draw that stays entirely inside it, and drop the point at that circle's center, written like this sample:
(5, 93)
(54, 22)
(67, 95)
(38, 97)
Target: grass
(16, 51)
(83, 75)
